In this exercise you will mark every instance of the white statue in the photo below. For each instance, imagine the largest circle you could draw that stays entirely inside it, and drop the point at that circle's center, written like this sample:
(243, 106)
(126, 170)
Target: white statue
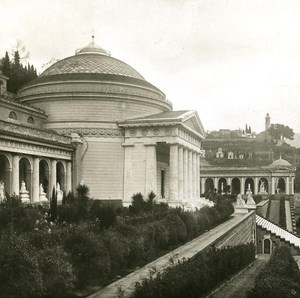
(240, 201)
(1, 191)
(24, 194)
(59, 192)
(262, 188)
(42, 194)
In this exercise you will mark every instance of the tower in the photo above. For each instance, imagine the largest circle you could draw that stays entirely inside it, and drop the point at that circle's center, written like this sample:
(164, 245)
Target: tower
(267, 121)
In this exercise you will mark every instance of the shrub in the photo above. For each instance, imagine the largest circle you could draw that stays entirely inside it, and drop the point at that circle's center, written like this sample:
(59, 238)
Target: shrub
(104, 213)
(20, 275)
(57, 271)
(117, 247)
(89, 256)
(196, 276)
(282, 215)
(279, 278)
(138, 203)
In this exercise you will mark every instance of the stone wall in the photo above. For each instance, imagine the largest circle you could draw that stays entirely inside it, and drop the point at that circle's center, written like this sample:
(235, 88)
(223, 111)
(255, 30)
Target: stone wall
(102, 167)
(262, 208)
(243, 232)
(275, 242)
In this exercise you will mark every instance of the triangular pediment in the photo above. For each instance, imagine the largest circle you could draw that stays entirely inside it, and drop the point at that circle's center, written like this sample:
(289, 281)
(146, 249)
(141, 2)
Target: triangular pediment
(193, 122)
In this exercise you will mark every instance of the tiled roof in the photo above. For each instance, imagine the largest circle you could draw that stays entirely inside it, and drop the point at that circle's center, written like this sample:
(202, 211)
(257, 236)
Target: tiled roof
(171, 115)
(92, 63)
(283, 234)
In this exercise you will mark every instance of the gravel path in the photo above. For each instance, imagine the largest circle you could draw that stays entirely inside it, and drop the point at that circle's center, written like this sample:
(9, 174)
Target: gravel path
(242, 282)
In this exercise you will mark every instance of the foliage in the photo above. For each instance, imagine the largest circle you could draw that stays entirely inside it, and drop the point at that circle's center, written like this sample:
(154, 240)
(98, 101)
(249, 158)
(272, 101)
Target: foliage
(279, 130)
(53, 205)
(282, 215)
(196, 276)
(19, 268)
(89, 256)
(279, 278)
(57, 271)
(17, 73)
(91, 242)
(14, 213)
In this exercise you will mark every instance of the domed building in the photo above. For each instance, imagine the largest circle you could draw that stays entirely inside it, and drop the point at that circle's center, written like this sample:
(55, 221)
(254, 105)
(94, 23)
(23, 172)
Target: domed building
(100, 122)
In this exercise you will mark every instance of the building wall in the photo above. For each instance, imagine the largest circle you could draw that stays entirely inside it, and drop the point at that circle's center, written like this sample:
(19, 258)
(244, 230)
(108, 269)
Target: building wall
(276, 241)
(103, 167)
(262, 208)
(64, 113)
(244, 232)
(22, 115)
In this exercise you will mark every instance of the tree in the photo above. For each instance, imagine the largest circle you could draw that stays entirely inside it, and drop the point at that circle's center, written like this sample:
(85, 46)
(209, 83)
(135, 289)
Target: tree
(278, 131)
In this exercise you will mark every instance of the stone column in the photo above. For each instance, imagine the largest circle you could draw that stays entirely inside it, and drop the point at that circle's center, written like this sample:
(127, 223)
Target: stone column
(180, 173)
(202, 189)
(194, 174)
(273, 186)
(229, 180)
(53, 177)
(36, 180)
(151, 172)
(216, 181)
(15, 174)
(185, 174)
(128, 175)
(287, 185)
(69, 177)
(198, 175)
(190, 175)
(256, 190)
(292, 185)
(173, 192)
(243, 185)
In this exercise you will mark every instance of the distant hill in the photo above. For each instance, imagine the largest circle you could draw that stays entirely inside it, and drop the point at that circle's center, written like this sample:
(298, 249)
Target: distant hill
(295, 142)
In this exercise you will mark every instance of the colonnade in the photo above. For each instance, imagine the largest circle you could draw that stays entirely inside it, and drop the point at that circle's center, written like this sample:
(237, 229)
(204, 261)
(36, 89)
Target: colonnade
(184, 173)
(33, 171)
(271, 183)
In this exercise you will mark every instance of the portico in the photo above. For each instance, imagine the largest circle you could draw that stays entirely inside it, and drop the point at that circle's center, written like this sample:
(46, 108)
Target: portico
(165, 149)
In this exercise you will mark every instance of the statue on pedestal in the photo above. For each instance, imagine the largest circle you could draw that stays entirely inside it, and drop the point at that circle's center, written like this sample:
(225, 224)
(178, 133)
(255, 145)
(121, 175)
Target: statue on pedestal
(59, 193)
(42, 194)
(24, 194)
(262, 189)
(240, 202)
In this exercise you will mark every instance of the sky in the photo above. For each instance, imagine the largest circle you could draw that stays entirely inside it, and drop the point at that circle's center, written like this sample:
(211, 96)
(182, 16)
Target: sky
(232, 61)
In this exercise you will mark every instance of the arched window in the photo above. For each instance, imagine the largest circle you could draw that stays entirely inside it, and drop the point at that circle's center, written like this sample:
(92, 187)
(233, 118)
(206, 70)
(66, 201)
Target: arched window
(30, 120)
(12, 115)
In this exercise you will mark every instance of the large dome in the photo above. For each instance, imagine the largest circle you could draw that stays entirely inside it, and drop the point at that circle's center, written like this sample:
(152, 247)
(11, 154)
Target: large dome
(92, 60)
(92, 89)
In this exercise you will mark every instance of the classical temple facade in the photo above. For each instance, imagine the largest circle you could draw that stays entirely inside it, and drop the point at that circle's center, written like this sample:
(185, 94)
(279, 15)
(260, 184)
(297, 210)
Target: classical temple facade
(277, 178)
(93, 118)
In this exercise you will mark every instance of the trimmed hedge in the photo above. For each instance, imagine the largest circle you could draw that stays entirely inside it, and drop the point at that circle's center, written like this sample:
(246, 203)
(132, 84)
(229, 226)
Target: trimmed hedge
(279, 278)
(282, 215)
(198, 275)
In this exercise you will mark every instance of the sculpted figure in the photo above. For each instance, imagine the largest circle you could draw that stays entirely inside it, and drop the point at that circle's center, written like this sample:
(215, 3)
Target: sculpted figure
(240, 201)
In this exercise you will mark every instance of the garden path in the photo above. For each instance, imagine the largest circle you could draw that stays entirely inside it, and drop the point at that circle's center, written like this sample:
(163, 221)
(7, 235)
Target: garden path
(127, 283)
(241, 283)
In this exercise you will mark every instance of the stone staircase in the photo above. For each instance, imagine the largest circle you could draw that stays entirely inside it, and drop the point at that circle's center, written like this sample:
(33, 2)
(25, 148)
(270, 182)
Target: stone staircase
(286, 236)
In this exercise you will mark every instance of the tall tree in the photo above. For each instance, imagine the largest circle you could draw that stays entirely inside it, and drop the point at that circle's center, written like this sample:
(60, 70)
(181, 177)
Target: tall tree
(278, 131)
(6, 65)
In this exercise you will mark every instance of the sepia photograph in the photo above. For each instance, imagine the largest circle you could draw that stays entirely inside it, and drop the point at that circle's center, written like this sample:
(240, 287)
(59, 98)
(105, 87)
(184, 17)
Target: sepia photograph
(149, 149)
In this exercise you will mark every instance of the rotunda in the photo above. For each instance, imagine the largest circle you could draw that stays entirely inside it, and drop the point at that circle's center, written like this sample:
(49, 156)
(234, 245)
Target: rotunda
(125, 136)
